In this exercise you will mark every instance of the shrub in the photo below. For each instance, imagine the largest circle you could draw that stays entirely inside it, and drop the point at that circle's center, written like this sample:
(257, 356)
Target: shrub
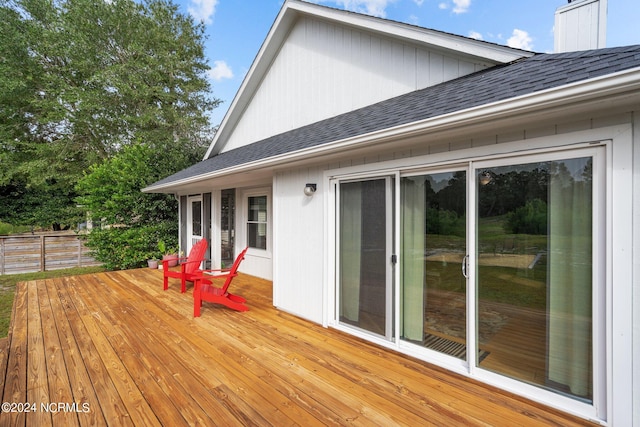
(528, 219)
(120, 248)
(444, 222)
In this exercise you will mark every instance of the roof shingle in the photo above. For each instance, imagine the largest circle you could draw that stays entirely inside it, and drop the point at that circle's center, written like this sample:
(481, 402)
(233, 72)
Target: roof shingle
(502, 82)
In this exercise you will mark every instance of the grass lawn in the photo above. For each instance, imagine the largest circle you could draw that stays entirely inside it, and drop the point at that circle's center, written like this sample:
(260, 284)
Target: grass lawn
(8, 287)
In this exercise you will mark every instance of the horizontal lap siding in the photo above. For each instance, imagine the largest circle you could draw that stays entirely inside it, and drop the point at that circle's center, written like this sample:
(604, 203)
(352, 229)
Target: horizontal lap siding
(25, 254)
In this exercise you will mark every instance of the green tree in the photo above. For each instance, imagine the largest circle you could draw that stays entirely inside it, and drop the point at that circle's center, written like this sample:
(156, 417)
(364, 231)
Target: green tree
(136, 221)
(80, 80)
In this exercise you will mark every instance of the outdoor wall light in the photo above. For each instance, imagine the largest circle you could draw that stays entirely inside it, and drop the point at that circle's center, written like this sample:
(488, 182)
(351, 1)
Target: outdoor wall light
(309, 189)
(485, 178)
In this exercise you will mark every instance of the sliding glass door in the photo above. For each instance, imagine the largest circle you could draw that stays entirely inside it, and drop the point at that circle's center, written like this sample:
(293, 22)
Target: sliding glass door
(499, 267)
(433, 239)
(365, 255)
(535, 272)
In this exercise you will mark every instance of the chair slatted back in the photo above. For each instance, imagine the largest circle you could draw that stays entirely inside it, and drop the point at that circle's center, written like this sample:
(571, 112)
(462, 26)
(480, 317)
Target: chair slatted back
(233, 272)
(196, 256)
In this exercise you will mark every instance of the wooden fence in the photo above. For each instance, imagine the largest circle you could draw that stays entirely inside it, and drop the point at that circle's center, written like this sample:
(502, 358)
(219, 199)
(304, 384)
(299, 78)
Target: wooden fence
(32, 253)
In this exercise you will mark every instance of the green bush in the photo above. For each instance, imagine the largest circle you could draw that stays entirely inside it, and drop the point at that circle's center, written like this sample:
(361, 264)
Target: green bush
(6, 229)
(445, 222)
(528, 219)
(121, 248)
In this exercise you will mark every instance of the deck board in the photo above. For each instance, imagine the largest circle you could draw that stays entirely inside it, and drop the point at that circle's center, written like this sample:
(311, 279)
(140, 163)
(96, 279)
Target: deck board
(135, 355)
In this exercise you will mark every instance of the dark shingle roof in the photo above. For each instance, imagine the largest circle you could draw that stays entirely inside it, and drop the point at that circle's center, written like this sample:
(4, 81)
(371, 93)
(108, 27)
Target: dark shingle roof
(522, 77)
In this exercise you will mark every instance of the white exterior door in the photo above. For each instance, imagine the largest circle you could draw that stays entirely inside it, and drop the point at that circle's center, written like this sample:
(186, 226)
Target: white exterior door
(195, 227)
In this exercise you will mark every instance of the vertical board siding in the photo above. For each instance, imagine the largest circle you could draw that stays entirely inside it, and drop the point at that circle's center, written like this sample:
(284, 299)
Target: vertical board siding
(324, 70)
(579, 27)
(299, 224)
(28, 254)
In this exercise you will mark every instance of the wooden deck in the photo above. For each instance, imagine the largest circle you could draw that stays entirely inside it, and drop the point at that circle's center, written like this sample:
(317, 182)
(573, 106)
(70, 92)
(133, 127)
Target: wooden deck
(114, 349)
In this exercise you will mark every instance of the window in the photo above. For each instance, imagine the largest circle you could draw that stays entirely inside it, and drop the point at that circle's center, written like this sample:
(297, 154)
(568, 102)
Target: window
(257, 222)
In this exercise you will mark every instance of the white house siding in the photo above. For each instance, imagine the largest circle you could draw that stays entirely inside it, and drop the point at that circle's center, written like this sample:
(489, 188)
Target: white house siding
(299, 273)
(580, 26)
(324, 70)
(302, 273)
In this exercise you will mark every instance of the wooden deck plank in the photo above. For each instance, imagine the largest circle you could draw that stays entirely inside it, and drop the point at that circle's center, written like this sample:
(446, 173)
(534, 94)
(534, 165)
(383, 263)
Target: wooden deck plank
(360, 378)
(174, 403)
(135, 352)
(278, 407)
(58, 379)
(401, 385)
(79, 381)
(316, 385)
(15, 378)
(110, 405)
(122, 400)
(200, 382)
(37, 376)
(203, 382)
(132, 398)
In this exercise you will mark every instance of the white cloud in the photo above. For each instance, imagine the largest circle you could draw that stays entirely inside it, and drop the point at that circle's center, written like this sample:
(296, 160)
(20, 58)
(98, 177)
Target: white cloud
(475, 35)
(443, 6)
(370, 7)
(418, 2)
(461, 6)
(203, 10)
(520, 40)
(220, 71)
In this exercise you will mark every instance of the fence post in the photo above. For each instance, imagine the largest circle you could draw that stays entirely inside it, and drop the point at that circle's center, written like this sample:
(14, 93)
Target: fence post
(2, 261)
(42, 257)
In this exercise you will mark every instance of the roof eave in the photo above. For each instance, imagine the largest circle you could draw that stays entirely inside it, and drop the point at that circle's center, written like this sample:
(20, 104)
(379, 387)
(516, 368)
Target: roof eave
(624, 83)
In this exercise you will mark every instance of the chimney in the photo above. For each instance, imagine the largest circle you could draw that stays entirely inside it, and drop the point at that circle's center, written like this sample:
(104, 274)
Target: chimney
(580, 25)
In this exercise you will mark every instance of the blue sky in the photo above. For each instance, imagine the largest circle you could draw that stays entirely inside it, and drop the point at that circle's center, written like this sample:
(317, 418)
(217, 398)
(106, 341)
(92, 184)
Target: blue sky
(237, 28)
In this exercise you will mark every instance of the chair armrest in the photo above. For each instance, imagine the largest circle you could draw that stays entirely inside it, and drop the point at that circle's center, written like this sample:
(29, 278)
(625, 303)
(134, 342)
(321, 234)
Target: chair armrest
(216, 272)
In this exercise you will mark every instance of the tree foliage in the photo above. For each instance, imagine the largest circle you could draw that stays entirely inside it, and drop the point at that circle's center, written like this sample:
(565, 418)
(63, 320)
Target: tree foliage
(80, 80)
(136, 221)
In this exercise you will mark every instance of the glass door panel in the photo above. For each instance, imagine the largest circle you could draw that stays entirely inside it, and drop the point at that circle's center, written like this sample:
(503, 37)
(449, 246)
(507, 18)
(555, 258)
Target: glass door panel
(433, 245)
(534, 273)
(194, 222)
(227, 226)
(366, 236)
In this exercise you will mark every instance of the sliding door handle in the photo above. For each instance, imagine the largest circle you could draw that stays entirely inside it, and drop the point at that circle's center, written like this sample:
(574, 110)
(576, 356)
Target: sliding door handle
(465, 261)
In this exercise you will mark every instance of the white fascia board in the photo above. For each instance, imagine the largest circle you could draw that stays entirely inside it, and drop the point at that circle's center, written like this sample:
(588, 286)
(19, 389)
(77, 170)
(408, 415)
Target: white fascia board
(627, 81)
(265, 56)
(488, 53)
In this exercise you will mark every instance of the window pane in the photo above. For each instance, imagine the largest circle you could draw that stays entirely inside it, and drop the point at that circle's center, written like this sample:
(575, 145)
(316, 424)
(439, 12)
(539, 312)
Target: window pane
(257, 222)
(258, 208)
(257, 236)
(196, 218)
(534, 272)
(363, 263)
(227, 225)
(433, 249)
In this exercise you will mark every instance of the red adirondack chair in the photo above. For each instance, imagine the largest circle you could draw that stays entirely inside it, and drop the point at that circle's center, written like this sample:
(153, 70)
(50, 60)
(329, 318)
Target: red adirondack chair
(189, 267)
(205, 291)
